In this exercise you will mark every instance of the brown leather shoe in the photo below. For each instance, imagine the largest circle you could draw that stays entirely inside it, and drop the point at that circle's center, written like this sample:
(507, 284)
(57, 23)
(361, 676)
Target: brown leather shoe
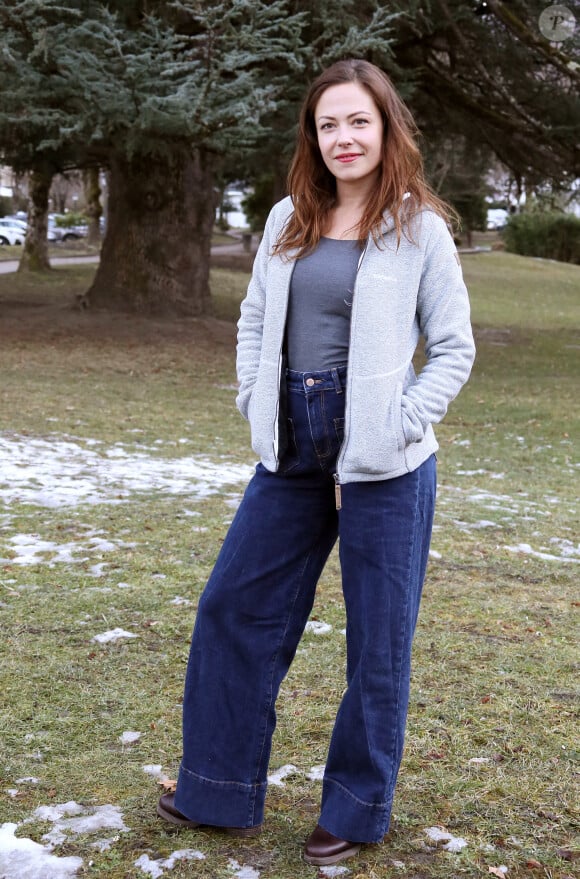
(322, 848)
(166, 809)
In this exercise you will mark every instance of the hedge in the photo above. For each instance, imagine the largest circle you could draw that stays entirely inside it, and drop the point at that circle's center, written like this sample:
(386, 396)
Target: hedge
(549, 235)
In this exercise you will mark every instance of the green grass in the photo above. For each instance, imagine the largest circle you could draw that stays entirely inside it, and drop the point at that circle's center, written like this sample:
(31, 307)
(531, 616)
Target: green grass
(491, 751)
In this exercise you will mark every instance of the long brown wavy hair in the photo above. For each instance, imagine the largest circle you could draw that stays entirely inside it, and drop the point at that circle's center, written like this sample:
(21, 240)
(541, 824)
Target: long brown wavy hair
(313, 188)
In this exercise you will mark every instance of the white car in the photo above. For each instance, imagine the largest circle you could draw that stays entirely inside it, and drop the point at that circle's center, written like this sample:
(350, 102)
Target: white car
(496, 218)
(11, 231)
(53, 232)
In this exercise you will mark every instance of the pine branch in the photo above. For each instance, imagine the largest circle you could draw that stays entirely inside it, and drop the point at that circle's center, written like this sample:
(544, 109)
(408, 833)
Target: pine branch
(553, 54)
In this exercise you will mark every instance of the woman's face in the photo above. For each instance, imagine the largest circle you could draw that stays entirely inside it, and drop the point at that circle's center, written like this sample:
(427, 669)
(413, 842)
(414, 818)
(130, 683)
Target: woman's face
(349, 127)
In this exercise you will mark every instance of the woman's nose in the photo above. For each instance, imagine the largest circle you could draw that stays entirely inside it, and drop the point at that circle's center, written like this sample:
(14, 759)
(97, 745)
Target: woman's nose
(344, 136)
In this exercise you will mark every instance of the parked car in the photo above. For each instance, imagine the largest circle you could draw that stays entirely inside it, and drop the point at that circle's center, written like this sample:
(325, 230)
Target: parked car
(11, 231)
(66, 233)
(73, 233)
(497, 218)
(17, 221)
(53, 232)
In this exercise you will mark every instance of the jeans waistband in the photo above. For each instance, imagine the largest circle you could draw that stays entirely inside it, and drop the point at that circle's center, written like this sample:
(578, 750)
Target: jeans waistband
(319, 380)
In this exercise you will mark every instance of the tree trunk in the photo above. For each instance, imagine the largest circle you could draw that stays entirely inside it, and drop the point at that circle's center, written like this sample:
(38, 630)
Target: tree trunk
(35, 251)
(93, 208)
(156, 252)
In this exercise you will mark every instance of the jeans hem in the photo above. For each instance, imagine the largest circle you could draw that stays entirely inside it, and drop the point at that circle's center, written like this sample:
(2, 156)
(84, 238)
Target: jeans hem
(348, 817)
(219, 803)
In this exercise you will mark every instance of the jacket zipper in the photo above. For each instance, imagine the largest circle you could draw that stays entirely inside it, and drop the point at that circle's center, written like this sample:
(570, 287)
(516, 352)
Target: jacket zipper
(280, 360)
(337, 492)
(340, 456)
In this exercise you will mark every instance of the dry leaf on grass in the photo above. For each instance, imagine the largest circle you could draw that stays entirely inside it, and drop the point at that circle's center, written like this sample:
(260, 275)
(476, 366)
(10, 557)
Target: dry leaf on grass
(169, 785)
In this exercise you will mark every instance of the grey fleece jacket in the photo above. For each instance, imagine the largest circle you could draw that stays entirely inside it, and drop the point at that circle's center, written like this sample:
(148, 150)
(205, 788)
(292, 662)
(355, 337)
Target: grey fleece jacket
(400, 294)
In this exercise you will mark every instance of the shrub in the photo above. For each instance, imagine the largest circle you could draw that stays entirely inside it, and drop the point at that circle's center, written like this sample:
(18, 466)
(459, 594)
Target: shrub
(550, 235)
(257, 204)
(71, 218)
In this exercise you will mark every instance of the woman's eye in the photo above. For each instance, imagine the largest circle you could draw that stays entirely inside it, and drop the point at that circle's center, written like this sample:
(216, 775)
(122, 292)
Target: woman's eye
(326, 126)
(361, 122)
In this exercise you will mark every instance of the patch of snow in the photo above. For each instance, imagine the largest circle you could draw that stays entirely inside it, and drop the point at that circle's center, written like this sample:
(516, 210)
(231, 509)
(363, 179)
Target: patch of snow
(242, 872)
(103, 845)
(155, 771)
(450, 843)
(129, 737)
(333, 871)
(56, 812)
(156, 868)
(31, 549)
(316, 773)
(28, 779)
(478, 760)
(22, 858)
(61, 473)
(526, 549)
(179, 600)
(113, 635)
(433, 554)
(277, 777)
(70, 819)
(567, 548)
(317, 627)
(12, 792)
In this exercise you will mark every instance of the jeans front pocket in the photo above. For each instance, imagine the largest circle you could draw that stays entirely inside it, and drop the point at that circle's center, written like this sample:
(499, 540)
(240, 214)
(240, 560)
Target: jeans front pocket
(291, 458)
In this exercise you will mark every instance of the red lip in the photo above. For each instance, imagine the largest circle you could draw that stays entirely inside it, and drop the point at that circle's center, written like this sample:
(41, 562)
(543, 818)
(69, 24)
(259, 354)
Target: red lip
(347, 157)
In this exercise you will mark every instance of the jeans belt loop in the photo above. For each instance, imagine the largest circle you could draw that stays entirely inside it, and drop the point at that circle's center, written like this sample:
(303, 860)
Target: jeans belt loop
(336, 380)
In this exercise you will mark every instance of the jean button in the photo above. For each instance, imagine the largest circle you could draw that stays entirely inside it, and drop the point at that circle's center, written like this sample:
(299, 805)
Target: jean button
(310, 382)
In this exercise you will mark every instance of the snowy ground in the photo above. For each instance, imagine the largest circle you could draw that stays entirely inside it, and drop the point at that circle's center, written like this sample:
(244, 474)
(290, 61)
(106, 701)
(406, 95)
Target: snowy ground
(61, 472)
(58, 472)
(23, 858)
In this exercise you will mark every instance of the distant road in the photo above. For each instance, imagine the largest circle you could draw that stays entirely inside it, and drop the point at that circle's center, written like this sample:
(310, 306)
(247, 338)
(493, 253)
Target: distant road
(11, 265)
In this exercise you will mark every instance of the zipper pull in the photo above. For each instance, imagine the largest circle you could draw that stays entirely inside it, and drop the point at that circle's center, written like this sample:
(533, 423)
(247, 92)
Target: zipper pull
(337, 495)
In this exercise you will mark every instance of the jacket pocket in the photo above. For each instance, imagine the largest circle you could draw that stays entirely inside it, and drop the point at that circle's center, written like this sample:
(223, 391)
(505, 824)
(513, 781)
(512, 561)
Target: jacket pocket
(262, 411)
(376, 440)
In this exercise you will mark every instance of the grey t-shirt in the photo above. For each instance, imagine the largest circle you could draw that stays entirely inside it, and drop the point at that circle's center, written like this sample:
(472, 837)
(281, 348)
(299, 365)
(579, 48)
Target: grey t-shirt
(320, 306)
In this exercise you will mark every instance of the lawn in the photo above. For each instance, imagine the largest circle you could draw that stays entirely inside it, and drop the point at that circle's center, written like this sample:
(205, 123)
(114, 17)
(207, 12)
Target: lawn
(122, 458)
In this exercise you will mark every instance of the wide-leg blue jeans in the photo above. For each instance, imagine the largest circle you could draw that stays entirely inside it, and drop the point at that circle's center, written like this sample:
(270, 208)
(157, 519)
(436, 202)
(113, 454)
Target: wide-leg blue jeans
(255, 606)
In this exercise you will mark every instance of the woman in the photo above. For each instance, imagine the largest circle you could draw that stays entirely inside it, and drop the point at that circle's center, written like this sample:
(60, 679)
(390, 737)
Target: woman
(353, 267)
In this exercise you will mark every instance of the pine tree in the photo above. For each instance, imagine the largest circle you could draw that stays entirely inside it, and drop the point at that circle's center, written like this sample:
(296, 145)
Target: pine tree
(152, 91)
(163, 93)
(484, 73)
